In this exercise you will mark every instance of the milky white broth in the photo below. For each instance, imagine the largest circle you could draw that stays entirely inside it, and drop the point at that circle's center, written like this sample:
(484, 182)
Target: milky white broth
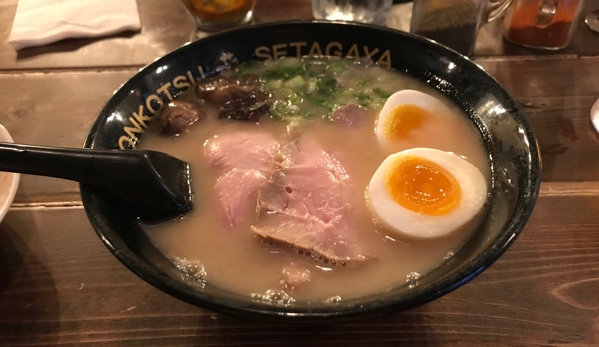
(238, 261)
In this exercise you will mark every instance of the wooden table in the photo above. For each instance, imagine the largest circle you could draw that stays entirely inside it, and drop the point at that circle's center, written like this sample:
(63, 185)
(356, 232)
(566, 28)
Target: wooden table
(59, 285)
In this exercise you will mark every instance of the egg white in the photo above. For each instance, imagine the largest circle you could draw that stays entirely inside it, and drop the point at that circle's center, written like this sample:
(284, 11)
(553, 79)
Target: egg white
(406, 223)
(407, 97)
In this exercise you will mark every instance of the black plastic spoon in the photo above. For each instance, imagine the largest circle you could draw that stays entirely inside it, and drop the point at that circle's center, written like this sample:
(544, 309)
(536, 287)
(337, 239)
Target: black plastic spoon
(156, 185)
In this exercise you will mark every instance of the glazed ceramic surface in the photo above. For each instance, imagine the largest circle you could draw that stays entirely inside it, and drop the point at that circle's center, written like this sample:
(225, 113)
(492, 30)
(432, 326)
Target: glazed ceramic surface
(512, 149)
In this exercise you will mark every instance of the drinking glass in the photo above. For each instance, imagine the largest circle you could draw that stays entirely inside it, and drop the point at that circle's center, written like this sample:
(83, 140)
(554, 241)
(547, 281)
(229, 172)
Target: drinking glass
(213, 15)
(365, 11)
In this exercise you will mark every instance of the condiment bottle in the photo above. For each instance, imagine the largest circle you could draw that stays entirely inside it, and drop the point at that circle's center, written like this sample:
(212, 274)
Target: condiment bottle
(546, 24)
(454, 23)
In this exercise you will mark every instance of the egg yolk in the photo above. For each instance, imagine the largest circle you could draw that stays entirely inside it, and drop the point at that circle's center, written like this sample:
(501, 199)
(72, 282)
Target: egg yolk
(422, 186)
(402, 119)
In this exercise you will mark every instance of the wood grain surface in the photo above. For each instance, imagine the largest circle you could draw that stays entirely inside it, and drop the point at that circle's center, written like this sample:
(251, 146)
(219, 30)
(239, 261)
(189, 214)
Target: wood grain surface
(59, 286)
(54, 108)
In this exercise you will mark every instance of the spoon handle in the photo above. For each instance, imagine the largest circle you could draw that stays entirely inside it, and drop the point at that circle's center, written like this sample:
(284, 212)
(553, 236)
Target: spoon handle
(82, 165)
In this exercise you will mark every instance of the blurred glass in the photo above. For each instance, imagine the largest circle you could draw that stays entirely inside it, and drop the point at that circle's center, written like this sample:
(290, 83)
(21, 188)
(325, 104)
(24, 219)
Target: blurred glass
(364, 11)
(547, 24)
(454, 23)
(220, 14)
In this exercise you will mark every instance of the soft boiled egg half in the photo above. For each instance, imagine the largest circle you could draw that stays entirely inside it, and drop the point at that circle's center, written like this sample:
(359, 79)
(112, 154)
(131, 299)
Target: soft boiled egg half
(404, 112)
(425, 193)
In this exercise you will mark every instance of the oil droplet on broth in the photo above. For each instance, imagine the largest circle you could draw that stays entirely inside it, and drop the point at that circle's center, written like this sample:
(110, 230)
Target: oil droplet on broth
(274, 297)
(412, 279)
(192, 271)
(334, 299)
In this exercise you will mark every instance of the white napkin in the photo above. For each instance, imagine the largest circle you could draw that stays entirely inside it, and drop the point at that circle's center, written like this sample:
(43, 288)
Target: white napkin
(39, 22)
(400, 17)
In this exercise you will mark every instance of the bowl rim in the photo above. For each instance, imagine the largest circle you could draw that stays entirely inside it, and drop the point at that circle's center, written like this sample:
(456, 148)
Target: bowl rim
(14, 179)
(410, 299)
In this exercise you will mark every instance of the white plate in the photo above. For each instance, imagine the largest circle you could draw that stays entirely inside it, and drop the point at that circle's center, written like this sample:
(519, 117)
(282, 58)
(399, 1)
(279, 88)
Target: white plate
(595, 115)
(9, 182)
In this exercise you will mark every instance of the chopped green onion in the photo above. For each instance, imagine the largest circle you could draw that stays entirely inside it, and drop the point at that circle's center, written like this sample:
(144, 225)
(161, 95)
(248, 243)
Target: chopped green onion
(281, 72)
(294, 83)
(307, 114)
(275, 84)
(336, 67)
(321, 102)
(363, 99)
(327, 85)
(285, 93)
(381, 93)
(295, 100)
(246, 68)
(314, 69)
(277, 111)
(362, 81)
(288, 61)
(311, 87)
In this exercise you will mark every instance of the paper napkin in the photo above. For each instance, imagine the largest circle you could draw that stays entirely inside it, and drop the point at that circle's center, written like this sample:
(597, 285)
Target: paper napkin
(39, 22)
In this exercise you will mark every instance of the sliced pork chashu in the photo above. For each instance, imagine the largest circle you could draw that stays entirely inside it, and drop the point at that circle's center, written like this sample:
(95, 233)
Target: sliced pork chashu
(306, 203)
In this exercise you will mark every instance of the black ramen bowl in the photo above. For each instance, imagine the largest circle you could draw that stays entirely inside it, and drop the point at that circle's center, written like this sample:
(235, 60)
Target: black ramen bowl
(508, 137)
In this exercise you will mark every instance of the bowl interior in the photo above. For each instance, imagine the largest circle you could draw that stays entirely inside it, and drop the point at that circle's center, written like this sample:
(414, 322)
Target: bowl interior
(507, 135)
